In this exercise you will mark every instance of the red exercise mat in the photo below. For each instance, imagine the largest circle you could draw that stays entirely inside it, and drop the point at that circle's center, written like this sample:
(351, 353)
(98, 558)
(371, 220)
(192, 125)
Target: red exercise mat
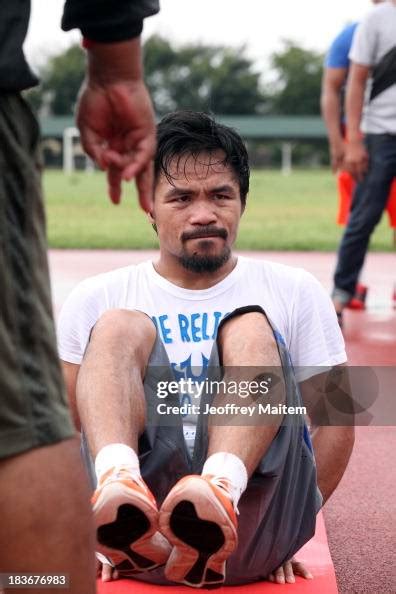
(315, 554)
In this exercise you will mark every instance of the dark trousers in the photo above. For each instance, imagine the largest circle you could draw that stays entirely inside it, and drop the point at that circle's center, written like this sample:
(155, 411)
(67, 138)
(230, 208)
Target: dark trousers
(369, 201)
(33, 411)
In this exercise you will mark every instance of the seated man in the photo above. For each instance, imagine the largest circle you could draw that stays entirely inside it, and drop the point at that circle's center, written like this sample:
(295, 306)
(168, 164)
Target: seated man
(171, 474)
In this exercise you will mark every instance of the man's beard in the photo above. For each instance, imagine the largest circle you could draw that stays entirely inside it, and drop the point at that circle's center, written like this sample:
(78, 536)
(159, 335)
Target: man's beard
(203, 262)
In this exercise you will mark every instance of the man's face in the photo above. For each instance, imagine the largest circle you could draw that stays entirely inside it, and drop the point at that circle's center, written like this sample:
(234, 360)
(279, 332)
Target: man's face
(197, 212)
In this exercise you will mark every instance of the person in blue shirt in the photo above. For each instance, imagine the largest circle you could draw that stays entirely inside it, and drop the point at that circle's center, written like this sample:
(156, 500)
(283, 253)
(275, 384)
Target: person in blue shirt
(334, 78)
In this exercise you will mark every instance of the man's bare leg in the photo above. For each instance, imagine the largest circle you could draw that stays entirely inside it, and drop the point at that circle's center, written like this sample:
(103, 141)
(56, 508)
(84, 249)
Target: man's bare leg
(246, 341)
(111, 405)
(110, 394)
(46, 524)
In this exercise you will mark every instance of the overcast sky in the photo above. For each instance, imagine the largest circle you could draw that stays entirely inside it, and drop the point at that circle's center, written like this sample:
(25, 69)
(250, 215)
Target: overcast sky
(259, 24)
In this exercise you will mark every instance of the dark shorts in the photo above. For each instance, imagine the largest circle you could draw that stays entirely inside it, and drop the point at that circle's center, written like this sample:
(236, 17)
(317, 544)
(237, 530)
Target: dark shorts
(278, 509)
(33, 409)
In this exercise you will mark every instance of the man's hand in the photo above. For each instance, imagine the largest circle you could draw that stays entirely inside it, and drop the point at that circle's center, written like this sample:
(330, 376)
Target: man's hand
(116, 119)
(117, 129)
(337, 154)
(286, 573)
(356, 159)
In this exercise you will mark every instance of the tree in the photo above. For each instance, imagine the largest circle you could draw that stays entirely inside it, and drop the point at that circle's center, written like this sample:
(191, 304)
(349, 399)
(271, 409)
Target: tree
(200, 77)
(192, 76)
(60, 78)
(63, 76)
(297, 87)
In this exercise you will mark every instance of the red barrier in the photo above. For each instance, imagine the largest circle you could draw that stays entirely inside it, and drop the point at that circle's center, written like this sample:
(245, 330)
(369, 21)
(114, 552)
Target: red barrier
(346, 186)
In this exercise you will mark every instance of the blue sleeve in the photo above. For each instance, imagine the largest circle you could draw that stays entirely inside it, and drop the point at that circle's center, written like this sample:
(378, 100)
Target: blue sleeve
(337, 56)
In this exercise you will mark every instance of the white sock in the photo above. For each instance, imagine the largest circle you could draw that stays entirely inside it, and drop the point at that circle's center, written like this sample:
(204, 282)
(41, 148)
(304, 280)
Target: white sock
(115, 455)
(230, 467)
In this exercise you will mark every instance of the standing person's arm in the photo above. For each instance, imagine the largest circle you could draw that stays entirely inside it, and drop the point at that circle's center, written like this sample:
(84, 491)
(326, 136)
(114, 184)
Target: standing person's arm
(333, 80)
(116, 118)
(114, 112)
(330, 101)
(356, 156)
(362, 57)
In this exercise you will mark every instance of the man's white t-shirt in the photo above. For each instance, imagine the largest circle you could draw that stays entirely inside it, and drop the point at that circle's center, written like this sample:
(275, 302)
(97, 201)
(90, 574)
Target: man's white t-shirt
(187, 320)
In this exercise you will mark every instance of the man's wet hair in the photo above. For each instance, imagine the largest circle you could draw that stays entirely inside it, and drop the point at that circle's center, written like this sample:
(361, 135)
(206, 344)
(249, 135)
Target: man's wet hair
(184, 133)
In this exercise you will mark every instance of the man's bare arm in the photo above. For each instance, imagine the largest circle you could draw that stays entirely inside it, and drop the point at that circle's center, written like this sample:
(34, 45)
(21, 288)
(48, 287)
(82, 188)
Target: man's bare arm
(333, 447)
(356, 157)
(332, 442)
(330, 102)
(70, 374)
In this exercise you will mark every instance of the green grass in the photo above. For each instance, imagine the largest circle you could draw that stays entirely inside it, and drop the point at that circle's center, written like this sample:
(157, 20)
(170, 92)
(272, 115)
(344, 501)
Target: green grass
(283, 213)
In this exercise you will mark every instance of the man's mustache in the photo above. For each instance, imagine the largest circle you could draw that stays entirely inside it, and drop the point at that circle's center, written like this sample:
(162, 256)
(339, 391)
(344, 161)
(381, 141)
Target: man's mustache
(204, 232)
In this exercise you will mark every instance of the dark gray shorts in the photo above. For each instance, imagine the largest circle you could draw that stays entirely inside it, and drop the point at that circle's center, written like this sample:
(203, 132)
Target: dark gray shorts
(278, 509)
(33, 409)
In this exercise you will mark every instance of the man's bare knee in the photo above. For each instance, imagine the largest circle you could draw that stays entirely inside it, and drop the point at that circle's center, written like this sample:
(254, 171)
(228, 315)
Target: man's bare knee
(123, 322)
(133, 332)
(248, 335)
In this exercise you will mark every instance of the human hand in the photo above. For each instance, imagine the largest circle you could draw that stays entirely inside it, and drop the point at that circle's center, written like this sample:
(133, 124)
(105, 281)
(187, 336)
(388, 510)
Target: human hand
(117, 127)
(286, 572)
(104, 570)
(356, 159)
(116, 118)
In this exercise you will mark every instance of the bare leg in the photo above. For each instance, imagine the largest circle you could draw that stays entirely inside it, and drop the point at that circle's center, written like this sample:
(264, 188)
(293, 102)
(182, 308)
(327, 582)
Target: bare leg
(111, 403)
(110, 395)
(246, 344)
(46, 524)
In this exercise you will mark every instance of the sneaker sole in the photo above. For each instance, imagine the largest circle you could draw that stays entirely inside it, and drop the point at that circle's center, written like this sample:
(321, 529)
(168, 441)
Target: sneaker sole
(123, 527)
(197, 525)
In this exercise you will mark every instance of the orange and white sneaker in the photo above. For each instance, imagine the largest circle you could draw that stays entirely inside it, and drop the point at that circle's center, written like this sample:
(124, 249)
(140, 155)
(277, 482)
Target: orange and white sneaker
(198, 519)
(126, 519)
